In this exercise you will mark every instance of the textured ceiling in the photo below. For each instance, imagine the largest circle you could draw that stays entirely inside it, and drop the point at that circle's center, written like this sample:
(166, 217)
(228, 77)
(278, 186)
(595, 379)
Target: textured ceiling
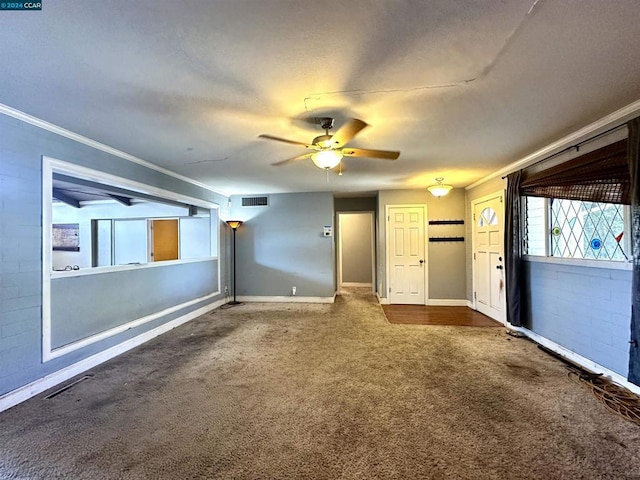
(460, 88)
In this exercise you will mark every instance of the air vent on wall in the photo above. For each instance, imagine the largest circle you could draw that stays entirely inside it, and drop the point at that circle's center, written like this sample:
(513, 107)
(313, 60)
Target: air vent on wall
(255, 201)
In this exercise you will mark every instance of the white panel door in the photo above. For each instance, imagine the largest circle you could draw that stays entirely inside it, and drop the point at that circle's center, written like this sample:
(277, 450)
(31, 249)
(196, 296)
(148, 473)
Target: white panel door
(407, 261)
(488, 257)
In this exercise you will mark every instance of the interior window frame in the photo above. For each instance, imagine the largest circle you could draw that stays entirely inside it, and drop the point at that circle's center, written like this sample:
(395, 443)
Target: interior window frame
(51, 165)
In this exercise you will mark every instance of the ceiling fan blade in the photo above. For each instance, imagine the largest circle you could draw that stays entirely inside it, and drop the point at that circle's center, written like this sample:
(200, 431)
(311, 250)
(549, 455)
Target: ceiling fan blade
(346, 132)
(365, 152)
(278, 139)
(293, 159)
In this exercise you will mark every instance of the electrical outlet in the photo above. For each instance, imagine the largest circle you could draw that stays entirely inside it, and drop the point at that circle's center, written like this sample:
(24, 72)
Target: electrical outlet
(226, 291)
(293, 291)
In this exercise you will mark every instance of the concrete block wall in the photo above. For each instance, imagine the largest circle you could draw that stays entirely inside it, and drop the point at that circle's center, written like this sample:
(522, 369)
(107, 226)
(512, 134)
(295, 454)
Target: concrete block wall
(20, 259)
(22, 147)
(585, 309)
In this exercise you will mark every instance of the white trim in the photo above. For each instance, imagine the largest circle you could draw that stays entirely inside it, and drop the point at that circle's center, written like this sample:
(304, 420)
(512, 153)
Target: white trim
(339, 219)
(284, 299)
(63, 132)
(25, 392)
(619, 116)
(121, 328)
(447, 302)
(119, 268)
(85, 173)
(580, 262)
(47, 255)
(578, 359)
(424, 207)
(382, 300)
(437, 302)
(339, 252)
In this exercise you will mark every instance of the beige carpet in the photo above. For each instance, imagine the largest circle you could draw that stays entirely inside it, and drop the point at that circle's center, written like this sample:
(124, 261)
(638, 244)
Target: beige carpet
(276, 391)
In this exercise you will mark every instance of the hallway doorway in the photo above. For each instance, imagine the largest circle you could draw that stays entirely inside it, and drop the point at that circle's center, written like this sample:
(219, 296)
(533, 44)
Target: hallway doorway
(356, 252)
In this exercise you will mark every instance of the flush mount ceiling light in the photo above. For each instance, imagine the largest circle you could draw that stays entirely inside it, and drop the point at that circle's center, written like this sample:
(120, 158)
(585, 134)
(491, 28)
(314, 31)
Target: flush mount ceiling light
(326, 159)
(439, 190)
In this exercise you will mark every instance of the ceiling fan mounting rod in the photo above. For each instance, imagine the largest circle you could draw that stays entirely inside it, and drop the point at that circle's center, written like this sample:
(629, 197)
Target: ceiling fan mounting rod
(326, 123)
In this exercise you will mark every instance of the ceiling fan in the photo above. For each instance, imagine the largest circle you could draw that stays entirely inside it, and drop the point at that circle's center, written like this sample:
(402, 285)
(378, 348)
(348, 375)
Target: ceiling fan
(328, 150)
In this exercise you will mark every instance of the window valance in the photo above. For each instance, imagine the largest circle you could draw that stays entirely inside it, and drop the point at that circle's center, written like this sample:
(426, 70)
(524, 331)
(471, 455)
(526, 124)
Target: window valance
(598, 176)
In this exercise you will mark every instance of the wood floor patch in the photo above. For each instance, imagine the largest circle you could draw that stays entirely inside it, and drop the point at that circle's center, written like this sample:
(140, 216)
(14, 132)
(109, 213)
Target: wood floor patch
(429, 315)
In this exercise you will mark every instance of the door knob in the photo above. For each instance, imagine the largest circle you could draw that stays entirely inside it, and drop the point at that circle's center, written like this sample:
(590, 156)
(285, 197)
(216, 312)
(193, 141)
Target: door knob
(421, 262)
(499, 267)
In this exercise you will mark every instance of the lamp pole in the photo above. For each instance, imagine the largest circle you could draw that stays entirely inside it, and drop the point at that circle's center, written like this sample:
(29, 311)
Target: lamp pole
(234, 224)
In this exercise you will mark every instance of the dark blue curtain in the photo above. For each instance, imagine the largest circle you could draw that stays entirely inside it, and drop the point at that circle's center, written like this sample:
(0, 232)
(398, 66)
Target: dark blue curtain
(634, 170)
(513, 249)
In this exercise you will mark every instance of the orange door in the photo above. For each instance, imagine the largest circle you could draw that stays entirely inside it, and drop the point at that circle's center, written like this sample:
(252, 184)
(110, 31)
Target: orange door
(165, 240)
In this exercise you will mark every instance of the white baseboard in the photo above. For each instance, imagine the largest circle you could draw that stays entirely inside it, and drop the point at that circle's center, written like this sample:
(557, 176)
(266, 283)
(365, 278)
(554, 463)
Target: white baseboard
(578, 359)
(25, 392)
(471, 305)
(284, 299)
(357, 285)
(446, 302)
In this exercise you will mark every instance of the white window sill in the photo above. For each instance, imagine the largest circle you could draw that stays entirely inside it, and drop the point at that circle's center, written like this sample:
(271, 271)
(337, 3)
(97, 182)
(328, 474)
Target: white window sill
(581, 262)
(121, 268)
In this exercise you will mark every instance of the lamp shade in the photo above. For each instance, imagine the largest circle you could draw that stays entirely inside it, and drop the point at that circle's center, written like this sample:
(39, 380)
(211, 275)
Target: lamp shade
(326, 159)
(439, 189)
(234, 224)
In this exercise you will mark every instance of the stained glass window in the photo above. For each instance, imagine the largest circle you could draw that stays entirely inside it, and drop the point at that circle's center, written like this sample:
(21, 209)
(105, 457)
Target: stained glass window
(587, 230)
(575, 229)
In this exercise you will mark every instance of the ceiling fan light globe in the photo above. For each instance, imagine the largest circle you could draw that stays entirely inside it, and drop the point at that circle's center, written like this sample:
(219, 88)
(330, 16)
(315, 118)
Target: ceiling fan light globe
(326, 159)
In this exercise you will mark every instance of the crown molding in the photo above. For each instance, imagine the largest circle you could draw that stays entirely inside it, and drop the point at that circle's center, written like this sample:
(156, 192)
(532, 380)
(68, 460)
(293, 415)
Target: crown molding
(618, 117)
(63, 132)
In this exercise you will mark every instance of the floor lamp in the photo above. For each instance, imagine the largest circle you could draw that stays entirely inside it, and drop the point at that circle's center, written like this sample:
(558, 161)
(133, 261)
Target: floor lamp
(234, 224)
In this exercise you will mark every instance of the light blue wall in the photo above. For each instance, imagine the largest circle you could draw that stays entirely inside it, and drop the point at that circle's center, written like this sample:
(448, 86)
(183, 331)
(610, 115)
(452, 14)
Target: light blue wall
(282, 245)
(21, 149)
(89, 304)
(587, 310)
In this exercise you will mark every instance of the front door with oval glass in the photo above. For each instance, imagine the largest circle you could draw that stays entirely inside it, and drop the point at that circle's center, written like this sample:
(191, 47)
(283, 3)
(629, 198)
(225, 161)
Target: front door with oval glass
(489, 285)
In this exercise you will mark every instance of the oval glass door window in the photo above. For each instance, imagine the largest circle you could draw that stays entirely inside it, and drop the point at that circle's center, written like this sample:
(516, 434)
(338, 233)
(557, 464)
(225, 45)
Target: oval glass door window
(488, 216)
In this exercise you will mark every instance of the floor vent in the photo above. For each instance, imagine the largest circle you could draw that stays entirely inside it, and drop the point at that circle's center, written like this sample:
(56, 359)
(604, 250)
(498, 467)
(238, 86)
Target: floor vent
(67, 387)
(255, 201)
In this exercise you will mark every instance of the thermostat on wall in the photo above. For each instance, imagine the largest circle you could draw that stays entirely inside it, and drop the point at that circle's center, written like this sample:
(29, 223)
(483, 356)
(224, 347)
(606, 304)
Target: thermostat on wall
(327, 231)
